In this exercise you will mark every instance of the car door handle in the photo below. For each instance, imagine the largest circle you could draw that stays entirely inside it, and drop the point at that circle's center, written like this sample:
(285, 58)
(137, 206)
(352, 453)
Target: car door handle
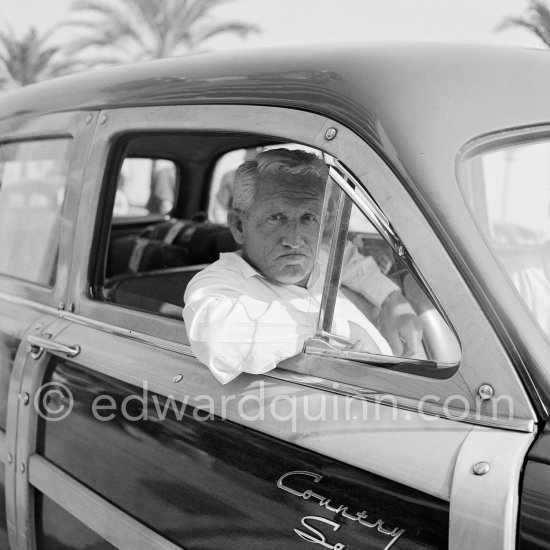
(40, 343)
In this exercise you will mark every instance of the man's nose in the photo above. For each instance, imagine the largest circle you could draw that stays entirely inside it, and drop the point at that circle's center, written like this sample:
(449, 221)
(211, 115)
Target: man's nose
(293, 235)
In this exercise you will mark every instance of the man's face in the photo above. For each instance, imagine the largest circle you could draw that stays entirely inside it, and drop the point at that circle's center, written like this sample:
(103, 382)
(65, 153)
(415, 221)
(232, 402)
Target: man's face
(279, 234)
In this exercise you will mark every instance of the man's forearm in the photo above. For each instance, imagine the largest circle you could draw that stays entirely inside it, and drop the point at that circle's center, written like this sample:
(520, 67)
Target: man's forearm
(234, 335)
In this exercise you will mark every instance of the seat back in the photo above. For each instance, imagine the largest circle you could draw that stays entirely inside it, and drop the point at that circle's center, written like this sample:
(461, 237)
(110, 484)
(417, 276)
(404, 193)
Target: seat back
(150, 271)
(136, 254)
(175, 243)
(158, 291)
(203, 241)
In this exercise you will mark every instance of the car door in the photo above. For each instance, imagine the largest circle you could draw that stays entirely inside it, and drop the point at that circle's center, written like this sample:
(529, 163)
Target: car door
(39, 157)
(135, 445)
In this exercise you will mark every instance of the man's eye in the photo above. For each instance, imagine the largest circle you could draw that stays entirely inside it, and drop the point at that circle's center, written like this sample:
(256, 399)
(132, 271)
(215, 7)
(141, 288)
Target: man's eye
(276, 218)
(309, 219)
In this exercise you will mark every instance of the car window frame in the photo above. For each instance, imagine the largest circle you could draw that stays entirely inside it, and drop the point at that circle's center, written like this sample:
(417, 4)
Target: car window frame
(150, 216)
(78, 128)
(487, 144)
(484, 361)
(522, 336)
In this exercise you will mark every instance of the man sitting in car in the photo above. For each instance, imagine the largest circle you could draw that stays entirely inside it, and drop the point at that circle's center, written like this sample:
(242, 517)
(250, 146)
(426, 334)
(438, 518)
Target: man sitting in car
(253, 308)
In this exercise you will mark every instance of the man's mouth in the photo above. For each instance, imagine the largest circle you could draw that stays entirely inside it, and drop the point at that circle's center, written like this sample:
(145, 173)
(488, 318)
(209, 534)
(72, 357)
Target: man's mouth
(293, 255)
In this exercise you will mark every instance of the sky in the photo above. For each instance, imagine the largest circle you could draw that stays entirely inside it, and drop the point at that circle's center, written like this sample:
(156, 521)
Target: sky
(312, 21)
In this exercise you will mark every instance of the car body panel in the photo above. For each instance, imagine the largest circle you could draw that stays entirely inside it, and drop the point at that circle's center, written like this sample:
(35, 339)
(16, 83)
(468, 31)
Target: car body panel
(202, 483)
(448, 450)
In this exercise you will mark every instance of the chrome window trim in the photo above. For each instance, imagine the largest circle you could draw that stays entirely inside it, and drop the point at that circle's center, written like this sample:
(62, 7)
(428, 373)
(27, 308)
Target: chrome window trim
(368, 206)
(363, 356)
(348, 183)
(404, 403)
(3, 447)
(18, 300)
(105, 519)
(502, 138)
(484, 359)
(358, 196)
(334, 269)
(333, 386)
(183, 349)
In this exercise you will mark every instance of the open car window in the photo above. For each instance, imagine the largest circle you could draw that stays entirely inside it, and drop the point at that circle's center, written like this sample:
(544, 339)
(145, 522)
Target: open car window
(168, 218)
(146, 187)
(359, 268)
(221, 188)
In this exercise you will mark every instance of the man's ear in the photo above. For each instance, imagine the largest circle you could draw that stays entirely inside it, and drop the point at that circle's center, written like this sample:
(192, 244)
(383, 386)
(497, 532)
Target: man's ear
(234, 220)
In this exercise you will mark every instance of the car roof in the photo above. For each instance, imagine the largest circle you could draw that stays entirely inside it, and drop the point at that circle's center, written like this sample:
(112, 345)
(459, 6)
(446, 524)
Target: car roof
(394, 92)
(417, 104)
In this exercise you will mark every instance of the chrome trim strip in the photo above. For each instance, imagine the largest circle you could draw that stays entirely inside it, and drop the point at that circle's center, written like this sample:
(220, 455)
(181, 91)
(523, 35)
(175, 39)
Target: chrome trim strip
(3, 447)
(183, 349)
(28, 303)
(333, 271)
(363, 200)
(352, 187)
(108, 521)
(405, 403)
(312, 348)
(344, 389)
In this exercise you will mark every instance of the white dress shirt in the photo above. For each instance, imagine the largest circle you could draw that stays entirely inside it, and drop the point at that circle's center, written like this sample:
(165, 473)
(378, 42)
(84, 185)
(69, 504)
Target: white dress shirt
(239, 321)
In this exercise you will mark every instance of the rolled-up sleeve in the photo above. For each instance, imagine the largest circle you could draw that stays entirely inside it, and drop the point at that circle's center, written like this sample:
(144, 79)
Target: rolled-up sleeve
(232, 332)
(362, 274)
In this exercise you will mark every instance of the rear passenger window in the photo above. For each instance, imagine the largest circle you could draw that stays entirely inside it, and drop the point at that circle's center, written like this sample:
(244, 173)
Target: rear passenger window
(146, 187)
(33, 177)
(221, 189)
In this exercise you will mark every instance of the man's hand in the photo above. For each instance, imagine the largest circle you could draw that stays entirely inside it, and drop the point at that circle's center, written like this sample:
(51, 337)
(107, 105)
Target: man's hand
(400, 325)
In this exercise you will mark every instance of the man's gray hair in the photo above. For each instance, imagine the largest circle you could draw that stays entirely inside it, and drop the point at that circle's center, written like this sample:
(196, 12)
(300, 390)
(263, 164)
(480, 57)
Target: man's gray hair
(276, 165)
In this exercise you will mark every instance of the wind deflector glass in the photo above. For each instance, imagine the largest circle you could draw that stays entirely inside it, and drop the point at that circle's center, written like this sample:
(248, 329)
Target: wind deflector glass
(368, 264)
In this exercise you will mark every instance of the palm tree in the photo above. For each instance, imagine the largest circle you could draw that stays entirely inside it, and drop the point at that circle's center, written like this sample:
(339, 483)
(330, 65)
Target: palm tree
(537, 20)
(29, 59)
(120, 31)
